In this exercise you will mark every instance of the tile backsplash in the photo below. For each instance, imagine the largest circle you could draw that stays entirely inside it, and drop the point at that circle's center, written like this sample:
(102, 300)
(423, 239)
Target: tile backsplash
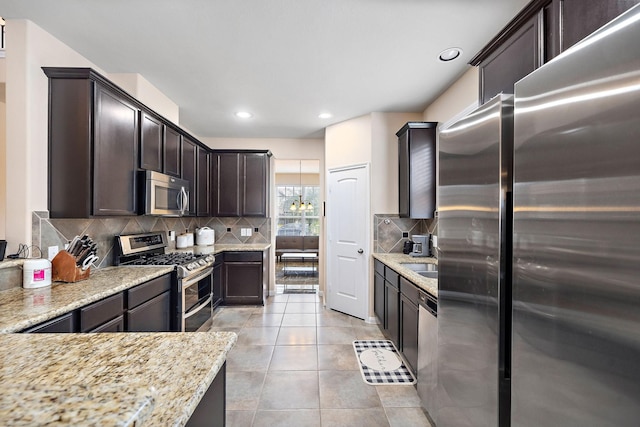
(389, 229)
(57, 232)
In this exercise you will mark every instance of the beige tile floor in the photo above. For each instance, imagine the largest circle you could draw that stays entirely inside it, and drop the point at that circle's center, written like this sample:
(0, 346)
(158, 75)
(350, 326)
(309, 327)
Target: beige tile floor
(294, 365)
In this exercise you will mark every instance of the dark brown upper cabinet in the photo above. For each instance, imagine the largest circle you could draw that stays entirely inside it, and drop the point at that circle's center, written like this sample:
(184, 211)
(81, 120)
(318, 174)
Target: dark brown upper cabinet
(172, 152)
(189, 171)
(540, 32)
(151, 142)
(93, 146)
(417, 170)
(203, 186)
(160, 146)
(240, 183)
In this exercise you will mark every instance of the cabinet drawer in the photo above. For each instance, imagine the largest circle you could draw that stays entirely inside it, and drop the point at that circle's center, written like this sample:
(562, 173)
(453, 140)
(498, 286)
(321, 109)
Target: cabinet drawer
(409, 290)
(101, 312)
(391, 277)
(144, 292)
(152, 316)
(242, 256)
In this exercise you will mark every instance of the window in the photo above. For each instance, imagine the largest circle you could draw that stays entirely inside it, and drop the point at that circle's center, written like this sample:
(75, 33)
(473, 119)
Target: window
(298, 222)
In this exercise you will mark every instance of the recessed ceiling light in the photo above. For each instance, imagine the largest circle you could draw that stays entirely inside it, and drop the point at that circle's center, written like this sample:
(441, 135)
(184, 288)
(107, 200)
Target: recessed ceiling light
(450, 54)
(244, 114)
(324, 115)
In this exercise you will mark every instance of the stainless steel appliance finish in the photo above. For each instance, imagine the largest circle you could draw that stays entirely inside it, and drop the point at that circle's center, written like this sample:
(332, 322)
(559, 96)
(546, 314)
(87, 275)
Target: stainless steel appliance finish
(192, 293)
(475, 177)
(428, 353)
(196, 300)
(576, 292)
(571, 258)
(420, 245)
(164, 195)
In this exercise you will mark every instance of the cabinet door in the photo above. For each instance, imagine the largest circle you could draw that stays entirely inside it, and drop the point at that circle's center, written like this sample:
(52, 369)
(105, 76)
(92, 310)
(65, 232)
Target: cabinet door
(62, 324)
(115, 155)
(172, 152)
(518, 56)
(378, 298)
(218, 279)
(150, 143)
(115, 325)
(152, 316)
(582, 17)
(409, 332)
(242, 283)
(189, 168)
(226, 184)
(417, 170)
(204, 183)
(254, 189)
(392, 313)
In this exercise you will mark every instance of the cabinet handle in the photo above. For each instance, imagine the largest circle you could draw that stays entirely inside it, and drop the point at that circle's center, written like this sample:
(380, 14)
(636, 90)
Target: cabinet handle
(360, 251)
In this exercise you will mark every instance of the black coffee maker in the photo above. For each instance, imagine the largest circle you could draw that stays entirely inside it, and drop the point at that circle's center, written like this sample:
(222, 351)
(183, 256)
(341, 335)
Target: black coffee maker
(408, 247)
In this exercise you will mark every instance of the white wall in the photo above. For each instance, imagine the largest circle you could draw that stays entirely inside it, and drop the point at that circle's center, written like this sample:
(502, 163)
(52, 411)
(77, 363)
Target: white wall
(462, 93)
(140, 88)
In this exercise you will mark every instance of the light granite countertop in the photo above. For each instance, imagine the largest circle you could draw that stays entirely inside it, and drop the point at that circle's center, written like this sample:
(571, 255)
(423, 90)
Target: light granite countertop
(395, 261)
(22, 308)
(110, 379)
(225, 247)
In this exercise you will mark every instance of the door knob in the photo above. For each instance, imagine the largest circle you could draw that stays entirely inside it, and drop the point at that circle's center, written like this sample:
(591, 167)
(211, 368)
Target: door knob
(360, 251)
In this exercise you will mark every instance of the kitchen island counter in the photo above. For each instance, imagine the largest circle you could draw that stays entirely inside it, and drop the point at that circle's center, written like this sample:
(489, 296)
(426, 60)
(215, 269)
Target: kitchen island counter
(395, 261)
(154, 379)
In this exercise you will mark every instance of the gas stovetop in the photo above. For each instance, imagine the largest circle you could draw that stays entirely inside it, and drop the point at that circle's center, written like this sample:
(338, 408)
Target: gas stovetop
(149, 249)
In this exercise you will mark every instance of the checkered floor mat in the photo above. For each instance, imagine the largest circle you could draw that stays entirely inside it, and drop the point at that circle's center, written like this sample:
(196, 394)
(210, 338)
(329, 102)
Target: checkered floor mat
(381, 364)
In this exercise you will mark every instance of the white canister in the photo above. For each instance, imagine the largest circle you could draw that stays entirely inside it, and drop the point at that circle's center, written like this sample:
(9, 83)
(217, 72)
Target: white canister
(189, 239)
(205, 236)
(36, 273)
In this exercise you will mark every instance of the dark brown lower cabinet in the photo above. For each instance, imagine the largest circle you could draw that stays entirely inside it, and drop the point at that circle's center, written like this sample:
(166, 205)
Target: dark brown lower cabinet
(409, 323)
(143, 308)
(242, 278)
(392, 306)
(115, 325)
(217, 297)
(210, 412)
(378, 297)
(62, 324)
(97, 314)
(151, 316)
(149, 306)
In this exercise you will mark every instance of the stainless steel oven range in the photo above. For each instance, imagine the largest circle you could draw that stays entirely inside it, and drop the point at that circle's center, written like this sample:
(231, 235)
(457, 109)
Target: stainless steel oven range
(192, 292)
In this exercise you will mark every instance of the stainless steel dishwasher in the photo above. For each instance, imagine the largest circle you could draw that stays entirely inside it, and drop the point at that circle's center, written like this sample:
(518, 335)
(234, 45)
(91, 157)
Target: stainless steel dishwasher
(428, 352)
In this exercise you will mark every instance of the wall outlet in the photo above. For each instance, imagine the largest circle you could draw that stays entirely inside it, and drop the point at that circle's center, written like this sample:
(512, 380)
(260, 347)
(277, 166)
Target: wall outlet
(245, 232)
(52, 252)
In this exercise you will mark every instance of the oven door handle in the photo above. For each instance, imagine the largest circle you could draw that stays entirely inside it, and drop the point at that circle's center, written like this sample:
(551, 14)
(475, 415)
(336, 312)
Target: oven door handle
(197, 309)
(196, 279)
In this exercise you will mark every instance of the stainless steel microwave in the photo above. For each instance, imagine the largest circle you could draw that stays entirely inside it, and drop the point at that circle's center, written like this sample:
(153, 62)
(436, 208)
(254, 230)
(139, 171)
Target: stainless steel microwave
(164, 195)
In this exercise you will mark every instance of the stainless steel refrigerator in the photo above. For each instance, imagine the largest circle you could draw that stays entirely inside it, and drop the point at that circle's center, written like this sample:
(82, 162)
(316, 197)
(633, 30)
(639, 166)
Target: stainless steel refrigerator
(539, 242)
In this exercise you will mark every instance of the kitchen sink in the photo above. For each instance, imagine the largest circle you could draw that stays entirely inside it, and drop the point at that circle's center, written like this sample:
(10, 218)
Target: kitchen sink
(428, 274)
(426, 270)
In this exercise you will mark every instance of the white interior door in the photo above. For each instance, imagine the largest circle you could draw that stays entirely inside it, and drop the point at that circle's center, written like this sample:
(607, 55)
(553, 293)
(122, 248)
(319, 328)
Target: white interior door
(348, 228)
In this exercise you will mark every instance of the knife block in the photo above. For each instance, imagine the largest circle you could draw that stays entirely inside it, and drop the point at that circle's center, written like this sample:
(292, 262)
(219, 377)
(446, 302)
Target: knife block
(64, 269)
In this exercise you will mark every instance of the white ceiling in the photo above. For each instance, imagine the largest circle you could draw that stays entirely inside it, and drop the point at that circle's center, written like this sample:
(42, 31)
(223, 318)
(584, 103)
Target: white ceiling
(285, 61)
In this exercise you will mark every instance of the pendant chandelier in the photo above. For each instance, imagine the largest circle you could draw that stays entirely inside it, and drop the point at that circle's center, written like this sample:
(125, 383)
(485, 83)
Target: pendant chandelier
(302, 206)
